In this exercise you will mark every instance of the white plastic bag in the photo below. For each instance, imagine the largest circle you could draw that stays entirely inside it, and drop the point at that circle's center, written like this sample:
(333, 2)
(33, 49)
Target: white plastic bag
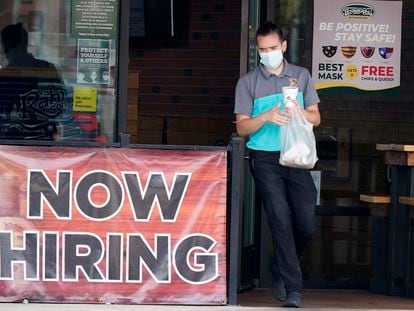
(298, 145)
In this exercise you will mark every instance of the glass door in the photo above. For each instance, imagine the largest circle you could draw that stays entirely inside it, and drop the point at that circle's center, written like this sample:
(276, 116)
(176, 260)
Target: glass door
(339, 254)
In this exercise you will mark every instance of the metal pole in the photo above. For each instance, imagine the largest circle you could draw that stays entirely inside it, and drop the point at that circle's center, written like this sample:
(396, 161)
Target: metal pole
(236, 216)
(123, 62)
(244, 36)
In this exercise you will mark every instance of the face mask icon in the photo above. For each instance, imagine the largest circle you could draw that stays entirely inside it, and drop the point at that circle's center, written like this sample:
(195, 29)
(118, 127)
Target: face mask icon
(93, 76)
(105, 76)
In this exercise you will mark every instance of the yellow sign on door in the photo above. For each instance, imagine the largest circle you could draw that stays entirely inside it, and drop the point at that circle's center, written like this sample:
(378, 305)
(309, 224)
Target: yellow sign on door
(84, 99)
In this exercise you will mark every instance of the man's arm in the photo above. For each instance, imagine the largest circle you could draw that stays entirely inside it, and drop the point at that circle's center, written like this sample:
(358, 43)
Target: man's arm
(312, 114)
(246, 125)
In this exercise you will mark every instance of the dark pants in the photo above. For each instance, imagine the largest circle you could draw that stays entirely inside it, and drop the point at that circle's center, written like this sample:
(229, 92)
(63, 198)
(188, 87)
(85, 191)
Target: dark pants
(289, 199)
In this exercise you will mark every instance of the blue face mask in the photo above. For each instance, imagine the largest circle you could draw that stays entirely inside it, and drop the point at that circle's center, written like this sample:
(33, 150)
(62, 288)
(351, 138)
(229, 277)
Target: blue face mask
(272, 59)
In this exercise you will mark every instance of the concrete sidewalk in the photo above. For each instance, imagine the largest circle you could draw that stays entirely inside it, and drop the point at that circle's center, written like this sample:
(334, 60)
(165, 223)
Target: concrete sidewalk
(253, 300)
(98, 307)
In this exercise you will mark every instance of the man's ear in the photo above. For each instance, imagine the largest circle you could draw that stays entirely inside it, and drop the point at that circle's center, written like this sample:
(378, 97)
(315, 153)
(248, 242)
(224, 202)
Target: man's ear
(284, 46)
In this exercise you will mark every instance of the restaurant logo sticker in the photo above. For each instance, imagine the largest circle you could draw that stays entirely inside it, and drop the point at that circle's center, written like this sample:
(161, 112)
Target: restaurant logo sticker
(358, 11)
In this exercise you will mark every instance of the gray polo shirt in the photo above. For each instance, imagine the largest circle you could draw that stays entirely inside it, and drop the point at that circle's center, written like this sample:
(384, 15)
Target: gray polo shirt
(259, 91)
(260, 83)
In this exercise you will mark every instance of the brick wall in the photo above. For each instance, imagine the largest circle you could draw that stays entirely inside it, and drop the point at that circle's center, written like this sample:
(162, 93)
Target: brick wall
(186, 83)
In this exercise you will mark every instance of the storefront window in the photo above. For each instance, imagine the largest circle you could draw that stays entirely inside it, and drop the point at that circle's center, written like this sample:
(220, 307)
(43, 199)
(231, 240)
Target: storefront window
(58, 70)
(291, 15)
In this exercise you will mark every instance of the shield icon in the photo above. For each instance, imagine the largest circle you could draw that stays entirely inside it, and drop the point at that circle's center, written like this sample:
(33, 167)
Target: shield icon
(367, 52)
(348, 51)
(385, 52)
(329, 50)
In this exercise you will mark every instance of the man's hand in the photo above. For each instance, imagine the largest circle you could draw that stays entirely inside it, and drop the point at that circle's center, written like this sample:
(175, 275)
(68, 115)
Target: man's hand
(277, 116)
(247, 125)
(311, 113)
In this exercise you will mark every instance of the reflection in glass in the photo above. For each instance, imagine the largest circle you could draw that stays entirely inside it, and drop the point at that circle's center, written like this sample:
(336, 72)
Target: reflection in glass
(291, 15)
(32, 95)
(42, 102)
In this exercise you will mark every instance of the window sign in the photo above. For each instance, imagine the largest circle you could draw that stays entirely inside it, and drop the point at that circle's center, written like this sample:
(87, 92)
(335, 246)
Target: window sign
(357, 46)
(94, 19)
(84, 99)
(93, 61)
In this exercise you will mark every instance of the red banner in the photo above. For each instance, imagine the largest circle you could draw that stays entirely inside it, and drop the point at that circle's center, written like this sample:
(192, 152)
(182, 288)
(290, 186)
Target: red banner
(112, 225)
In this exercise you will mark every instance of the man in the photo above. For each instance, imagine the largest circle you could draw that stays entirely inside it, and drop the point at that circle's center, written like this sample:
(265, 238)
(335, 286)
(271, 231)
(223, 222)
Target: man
(288, 194)
(32, 93)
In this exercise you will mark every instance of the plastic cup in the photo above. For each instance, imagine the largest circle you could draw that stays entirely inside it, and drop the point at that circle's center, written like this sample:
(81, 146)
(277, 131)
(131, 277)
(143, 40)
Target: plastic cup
(289, 94)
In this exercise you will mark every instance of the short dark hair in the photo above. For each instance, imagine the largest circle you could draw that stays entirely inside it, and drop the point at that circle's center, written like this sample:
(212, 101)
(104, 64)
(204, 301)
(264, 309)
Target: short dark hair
(13, 36)
(268, 28)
